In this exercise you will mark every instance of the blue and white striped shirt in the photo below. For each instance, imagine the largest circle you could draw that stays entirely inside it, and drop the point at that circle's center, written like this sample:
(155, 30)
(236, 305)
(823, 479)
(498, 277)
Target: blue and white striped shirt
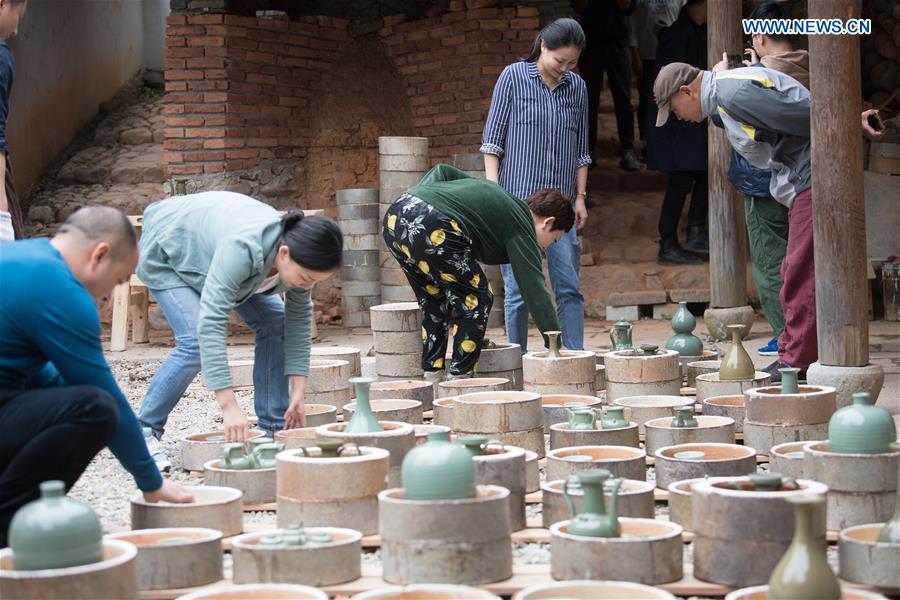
(539, 135)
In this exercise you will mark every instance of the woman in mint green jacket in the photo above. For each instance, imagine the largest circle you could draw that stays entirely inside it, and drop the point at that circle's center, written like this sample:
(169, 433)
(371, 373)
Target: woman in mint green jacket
(204, 255)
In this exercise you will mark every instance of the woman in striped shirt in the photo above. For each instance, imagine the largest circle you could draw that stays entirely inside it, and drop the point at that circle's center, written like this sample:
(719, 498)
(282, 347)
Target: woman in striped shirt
(536, 137)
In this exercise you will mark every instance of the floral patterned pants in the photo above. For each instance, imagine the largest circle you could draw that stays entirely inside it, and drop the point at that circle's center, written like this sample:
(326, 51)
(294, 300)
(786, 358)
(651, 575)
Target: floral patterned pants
(452, 290)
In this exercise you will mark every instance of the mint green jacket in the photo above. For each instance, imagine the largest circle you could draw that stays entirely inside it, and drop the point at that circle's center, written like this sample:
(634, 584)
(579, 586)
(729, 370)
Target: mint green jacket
(222, 245)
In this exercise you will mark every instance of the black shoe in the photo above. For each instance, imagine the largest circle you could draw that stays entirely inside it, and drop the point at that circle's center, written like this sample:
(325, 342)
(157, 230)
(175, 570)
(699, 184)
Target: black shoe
(630, 161)
(775, 374)
(697, 240)
(670, 253)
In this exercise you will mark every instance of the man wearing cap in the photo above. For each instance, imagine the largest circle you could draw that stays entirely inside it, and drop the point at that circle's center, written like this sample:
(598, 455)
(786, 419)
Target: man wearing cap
(766, 116)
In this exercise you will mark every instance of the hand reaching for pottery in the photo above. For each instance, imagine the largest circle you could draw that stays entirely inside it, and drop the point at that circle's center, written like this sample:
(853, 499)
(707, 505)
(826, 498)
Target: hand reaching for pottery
(169, 492)
(295, 416)
(237, 427)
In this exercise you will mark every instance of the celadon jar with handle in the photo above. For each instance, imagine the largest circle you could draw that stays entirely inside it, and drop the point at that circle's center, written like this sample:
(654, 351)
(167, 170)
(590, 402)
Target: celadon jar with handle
(55, 531)
(736, 364)
(613, 418)
(684, 417)
(620, 336)
(861, 428)
(594, 520)
(803, 572)
(438, 470)
(363, 419)
(581, 418)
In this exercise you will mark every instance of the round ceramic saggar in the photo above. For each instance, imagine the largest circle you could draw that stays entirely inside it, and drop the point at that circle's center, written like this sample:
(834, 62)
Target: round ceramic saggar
(302, 437)
(200, 448)
(726, 406)
(620, 461)
(635, 499)
(505, 466)
(454, 541)
(532, 471)
(257, 486)
(787, 459)
(457, 387)
(591, 590)
(680, 500)
(497, 412)
(443, 412)
(428, 591)
(313, 563)
(701, 367)
(649, 552)
(634, 373)
(563, 437)
(644, 408)
(328, 382)
(555, 406)
(709, 385)
(404, 411)
(718, 460)
(863, 559)
(351, 355)
(113, 577)
(214, 507)
(175, 558)
(774, 418)
(661, 433)
(406, 389)
(397, 438)
(258, 591)
(573, 372)
(502, 360)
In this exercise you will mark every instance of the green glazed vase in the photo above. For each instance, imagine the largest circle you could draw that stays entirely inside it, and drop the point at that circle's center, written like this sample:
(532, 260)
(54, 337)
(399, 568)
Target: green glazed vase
(684, 417)
(684, 342)
(890, 533)
(55, 531)
(620, 336)
(594, 520)
(553, 340)
(474, 444)
(861, 428)
(363, 419)
(235, 456)
(803, 572)
(789, 380)
(613, 418)
(438, 470)
(736, 364)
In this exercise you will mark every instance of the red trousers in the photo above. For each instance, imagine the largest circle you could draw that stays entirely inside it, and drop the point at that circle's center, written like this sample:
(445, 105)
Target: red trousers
(798, 343)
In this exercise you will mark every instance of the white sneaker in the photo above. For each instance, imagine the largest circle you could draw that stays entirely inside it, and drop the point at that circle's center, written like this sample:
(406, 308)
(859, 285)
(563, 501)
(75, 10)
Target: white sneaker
(156, 451)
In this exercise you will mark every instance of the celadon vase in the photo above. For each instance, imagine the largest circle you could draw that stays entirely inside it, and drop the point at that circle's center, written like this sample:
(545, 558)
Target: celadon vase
(684, 417)
(594, 520)
(613, 418)
(55, 531)
(363, 419)
(620, 336)
(789, 380)
(890, 533)
(736, 364)
(553, 340)
(438, 470)
(684, 342)
(803, 572)
(581, 418)
(861, 428)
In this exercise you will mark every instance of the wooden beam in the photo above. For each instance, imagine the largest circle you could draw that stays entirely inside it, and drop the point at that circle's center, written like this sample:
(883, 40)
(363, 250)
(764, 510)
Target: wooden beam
(839, 210)
(727, 232)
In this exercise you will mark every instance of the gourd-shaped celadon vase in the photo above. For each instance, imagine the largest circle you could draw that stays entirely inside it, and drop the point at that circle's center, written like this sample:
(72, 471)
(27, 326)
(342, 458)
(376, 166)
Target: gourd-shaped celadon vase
(736, 364)
(789, 383)
(55, 531)
(438, 470)
(803, 572)
(620, 336)
(890, 533)
(684, 342)
(553, 344)
(363, 419)
(861, 428)
(684, 417)
(594, 520)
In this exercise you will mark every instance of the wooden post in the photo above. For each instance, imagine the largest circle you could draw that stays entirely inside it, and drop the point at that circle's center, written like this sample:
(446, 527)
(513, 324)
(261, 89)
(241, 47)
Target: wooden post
(727, 232)
(118, 331)
(839, 211)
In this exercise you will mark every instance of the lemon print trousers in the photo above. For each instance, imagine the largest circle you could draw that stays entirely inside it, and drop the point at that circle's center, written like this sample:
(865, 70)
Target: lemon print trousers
(452, 290)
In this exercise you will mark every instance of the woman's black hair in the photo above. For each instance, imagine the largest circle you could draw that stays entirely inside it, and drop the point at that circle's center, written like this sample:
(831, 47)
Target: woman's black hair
(315, 242)
(561, 33)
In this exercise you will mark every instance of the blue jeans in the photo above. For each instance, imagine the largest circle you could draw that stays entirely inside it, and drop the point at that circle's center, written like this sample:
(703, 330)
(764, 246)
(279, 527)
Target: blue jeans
(563, 263)
(264, 314)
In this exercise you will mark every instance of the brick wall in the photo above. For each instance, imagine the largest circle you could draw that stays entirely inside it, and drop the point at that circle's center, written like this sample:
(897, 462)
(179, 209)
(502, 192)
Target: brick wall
(238, 88)
(450, 64)
(246, 93)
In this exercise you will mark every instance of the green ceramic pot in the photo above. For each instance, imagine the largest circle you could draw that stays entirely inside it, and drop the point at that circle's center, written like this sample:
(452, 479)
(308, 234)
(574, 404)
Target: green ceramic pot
(684, 417)
(620, 336)
(613, 418)
(581, 418)
(363, 419)
(553, 340)
(861, 428)
(474, 444)
(594, 520)
(803, 571)
(736, 364)
(55, 531)
(264, 454)
(235, 456)
(684, 342)
(789, 380)
(438, 470)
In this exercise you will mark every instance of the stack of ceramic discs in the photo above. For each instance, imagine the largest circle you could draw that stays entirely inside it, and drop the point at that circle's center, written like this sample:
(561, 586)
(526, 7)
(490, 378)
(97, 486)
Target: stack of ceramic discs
(495, 319)
(402, 162)
(360, 273)
(398, 340)
(471, 163)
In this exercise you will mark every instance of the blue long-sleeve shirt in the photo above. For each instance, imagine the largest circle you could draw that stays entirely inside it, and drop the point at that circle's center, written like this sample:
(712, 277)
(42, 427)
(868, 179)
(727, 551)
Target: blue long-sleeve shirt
(50, 336)
(7, 74)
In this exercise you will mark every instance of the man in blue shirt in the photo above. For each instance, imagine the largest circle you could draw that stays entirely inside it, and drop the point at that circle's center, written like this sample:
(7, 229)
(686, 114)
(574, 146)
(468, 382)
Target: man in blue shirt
(59, 402)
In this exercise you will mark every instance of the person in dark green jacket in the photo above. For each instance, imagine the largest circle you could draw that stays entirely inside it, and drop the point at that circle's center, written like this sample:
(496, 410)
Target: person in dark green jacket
(442, 228)
(204, 255)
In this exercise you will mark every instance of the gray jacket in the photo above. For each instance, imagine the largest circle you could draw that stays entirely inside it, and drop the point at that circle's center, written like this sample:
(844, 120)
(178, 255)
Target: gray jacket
(766, 117)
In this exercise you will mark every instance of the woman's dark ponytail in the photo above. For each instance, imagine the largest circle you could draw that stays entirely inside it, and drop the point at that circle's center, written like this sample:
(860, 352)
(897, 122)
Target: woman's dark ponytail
(561, 33)
(315, 242)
